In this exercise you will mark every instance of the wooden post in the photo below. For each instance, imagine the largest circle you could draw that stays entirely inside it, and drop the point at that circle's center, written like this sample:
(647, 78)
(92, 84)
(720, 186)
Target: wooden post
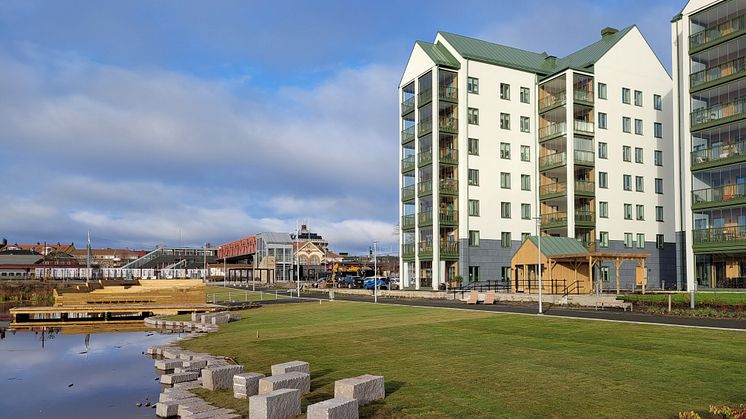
(617, 264)
(669, 303)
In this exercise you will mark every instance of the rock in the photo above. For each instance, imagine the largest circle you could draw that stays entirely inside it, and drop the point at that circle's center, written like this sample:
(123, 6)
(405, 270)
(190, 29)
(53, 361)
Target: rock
(364, 388)
(70, 385)
(168, 364)
(292, 366)
(138, 404)
(297, 380)
(336, 408)
(215, 378)
(246, 384)
(278, 404)
(179, 378)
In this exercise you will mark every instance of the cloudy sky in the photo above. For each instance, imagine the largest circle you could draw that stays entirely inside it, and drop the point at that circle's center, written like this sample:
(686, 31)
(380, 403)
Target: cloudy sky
(191, 121)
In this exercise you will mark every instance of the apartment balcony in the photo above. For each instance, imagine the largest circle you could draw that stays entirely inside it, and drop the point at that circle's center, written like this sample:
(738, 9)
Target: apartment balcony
(425, 249)
(719, 156)
(448, 93)
(424, 97)
(716, 35)
(407, 135)
(407, 106)
(425, 219)
(407, 251)
(554, 130)
(424, 127)
(585, 218)
(584, 97)
(718, 74)
(715, 240)
(407, 222)
(552, 190)
(449, 218)
(584, 158)
(720, 196)
(449, 249)
(718, 114)
(585, 188)
(448, 156)
(583, 127)
(552, 161)
(448, 124)
(424, 158)
(448, 187)
(408, 164)
(425, 188)
(407, 193)
(549, 102)
(554, 220)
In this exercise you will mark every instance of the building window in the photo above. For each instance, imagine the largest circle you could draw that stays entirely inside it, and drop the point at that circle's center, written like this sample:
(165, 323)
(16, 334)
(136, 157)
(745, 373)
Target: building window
(659, 214)
(638, 155)
(474, 146)
(473, 116)
(658, 157)
(504, 91)
(526, 211)
(472, 85)
(603, 180)
(602, 120)
(525, 153)
(602, 151)
(474, 207)
(638, 98)
(657, 102)
(658, 185)
(659, 241)
(504, 121)
(474, 238)
(473, 273)
(638, 126)
(626, 153)
(627, 239)
(505, 273)
(601, 90)
(525, 95)
(627, 211)
(626, 124)
(604, 238)
(505, 210)
(525, 124)
(625, 95)
(505, 180)
(640, 212)
(473, 177)
(525, 182)
(658, 130)
(505, 239)
(640, 241)
(639, 184)
(525, 236)
(505, 151)
(627, 182)
(603, 209)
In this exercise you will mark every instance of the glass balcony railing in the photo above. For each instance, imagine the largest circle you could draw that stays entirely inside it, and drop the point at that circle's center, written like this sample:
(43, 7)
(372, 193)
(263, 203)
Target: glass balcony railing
(426, 249)
(583, 95)
(725, 153)
(724, 194)
(448, 186)
(425, 218)
(553, 189)
(425, 127)
(718, 72)
(407, 134)
(448, 93)
(728, 28)
(735, 233)
(552, 130)
(552, 160)
(448, 217)
(407, 106)
(584, 157)
(553, 219)
(424, 97)
(425, 157)
(583, 127)
(407, 222)
(408, 163)
(425, 188)
(584, 216)
(585, 187)
(448, 248)
(407, 193)
(448, 124)
(407, 250)
(551, 101)
(448, 155)
(721, 113)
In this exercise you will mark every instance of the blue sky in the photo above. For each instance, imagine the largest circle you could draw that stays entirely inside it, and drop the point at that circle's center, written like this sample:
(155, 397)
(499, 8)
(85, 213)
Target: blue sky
(154, 122)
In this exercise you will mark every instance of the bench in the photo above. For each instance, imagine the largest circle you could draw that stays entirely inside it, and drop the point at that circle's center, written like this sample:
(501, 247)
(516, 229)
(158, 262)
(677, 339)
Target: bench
(473, 297)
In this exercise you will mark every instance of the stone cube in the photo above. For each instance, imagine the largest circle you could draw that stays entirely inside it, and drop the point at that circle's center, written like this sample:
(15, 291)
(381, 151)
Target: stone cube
(215, 378)
(365, 388)
(195, 363)
(171, 353)
(168, 364)
(292, 366)
(179, 377)
(278, 404)
(336, 408)
(246, 384)
(297, 380)
(167, 409)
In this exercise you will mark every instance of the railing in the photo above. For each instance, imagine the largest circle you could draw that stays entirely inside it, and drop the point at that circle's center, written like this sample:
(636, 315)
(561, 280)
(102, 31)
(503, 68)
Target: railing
(584, 216)
(407, 106)
(425, 218)
(408, 163)
(719, 235)
(722, 30)
(424, 97)
(583, 126)
(556, 159)
(424, 127)
(407, 250)
(449, 93)
(448, 124)
(552, 100)
(482, 286)
(449, 186)
(584, 157)
(551, 130)
(721, 152)
(448, 217)
(407, 193)
(574, 287)
(553, 218)
(585, 187)
(723, 111)
(448, 155)
(448, 248)
(724, 193)
(407, 222)
(425, 157)
(548, 285)
(583, 95)
(426, 249)
(729, 69)
(407, 134)
(425, 187)
(556, 188)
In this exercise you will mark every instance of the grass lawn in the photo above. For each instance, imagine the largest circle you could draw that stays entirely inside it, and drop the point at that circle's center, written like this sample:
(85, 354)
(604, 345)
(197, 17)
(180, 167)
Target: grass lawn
(712, 298)
(233, 294)
(448, 363)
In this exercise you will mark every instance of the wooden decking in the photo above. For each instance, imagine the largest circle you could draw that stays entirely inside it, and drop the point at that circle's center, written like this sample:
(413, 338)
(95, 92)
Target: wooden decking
(92, 314)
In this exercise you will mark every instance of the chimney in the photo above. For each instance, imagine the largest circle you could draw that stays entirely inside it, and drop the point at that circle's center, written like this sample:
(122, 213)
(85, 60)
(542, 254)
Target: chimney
(608, 31)
(550, 59)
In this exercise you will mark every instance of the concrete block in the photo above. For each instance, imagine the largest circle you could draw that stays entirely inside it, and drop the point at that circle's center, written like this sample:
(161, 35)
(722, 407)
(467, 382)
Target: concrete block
(192, 408)
(365, 388)
(212, 414)
(195, 363)
(215, 378)
(167, 409)
(336, 408)
(246, 384)
(168, 364)
(171, 353)
(188, 385)
(292, 366)
(278, 404)
(179, 377)
(297, 380)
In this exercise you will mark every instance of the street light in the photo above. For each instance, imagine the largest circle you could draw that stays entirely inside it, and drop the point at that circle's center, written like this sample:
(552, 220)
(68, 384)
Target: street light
(375, 271)
(225, 272)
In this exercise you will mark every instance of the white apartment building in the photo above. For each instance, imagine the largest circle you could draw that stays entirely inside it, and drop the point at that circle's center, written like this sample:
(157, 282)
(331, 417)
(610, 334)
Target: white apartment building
(709, 65)
(494, 138)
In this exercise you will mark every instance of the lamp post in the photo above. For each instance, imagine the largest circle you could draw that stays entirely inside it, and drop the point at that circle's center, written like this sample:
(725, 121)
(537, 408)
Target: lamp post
(375, 271)
(225, 272)
(538, 265)
(204, 263)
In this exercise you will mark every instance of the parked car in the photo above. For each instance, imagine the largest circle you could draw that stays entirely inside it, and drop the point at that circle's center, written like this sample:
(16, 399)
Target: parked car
(370, 283)
(394, 284)
(350, 282)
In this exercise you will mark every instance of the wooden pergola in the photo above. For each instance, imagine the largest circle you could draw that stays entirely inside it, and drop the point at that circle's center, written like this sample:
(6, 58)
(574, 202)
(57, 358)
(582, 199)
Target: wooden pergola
(595, 258)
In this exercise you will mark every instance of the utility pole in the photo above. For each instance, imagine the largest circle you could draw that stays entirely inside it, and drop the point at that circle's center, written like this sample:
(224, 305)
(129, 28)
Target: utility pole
(204, 262)
(88, 260)
(297, 256)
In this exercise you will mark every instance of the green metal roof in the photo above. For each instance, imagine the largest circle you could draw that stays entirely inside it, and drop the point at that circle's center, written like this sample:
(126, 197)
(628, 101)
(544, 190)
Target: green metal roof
(439, 54)
(585, 58)
(556, 246)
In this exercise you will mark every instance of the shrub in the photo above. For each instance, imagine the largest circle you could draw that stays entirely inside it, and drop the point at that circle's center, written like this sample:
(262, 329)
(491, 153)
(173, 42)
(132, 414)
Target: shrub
(728, 412)
(689, 415)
